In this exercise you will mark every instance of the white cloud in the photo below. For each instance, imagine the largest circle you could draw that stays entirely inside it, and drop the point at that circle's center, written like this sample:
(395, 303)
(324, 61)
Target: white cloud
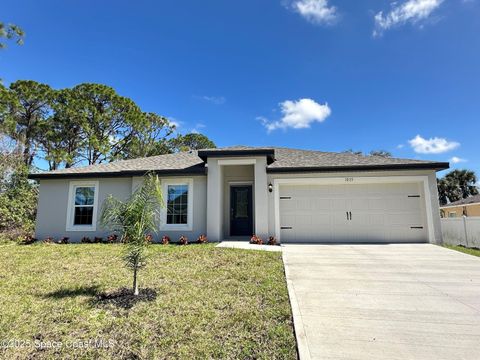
(456, 160)
(400, 146)
(298, 114)
(217, 100)
(315, 11)
(196, 129)
(411, 11)
(432, 146)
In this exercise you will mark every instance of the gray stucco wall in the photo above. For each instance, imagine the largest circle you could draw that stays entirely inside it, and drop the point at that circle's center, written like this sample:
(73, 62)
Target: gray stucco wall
(432, 184)
(53, 203)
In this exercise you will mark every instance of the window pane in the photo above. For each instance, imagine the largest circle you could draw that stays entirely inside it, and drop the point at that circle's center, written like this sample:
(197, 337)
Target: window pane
(83, 215)
(177, 204)
(84, 195)
(241, 203)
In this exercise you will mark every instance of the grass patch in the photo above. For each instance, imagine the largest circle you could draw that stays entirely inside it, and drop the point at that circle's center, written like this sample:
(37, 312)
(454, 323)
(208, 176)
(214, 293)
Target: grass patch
(200, 302)
(474, 251)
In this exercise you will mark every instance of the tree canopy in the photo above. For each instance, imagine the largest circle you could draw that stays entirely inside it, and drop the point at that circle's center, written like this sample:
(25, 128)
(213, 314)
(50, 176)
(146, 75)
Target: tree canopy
(87, 124)
(192, 141)
(10, 32)
(456, 185)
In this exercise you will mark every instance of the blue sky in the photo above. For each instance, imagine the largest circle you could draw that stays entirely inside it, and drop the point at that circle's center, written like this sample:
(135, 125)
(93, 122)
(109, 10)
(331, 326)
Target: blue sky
(402, 76)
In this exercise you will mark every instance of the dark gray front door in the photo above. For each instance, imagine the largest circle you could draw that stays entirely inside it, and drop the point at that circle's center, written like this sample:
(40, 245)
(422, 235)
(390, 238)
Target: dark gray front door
(241, 217)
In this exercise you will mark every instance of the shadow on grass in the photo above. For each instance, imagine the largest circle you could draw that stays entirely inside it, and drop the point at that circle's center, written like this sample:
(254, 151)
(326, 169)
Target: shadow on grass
(122, 298)
(74, 292)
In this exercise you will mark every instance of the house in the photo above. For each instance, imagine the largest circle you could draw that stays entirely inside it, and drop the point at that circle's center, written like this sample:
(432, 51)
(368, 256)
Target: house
(468, 207)
(234, 192)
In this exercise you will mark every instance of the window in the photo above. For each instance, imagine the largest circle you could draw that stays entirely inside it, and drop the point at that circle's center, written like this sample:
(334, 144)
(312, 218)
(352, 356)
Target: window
(82, 208)
(177, 204)
(178, 211)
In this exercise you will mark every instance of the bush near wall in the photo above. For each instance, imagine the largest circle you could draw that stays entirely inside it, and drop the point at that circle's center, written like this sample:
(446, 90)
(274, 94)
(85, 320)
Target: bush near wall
(18, 203)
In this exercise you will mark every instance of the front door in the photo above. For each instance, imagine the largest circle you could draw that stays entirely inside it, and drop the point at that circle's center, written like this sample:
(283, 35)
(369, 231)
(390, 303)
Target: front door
(241, 219)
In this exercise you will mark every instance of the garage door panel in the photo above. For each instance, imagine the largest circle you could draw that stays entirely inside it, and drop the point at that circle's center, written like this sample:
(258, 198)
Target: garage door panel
(379, 213)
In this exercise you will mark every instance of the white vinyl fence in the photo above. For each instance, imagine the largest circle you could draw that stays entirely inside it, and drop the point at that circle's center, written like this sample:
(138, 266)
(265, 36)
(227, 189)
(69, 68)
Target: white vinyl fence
(461, 231)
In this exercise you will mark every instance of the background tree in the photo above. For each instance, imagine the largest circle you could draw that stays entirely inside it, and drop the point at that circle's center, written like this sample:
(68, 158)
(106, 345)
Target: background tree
(351, 151)
(27, 105)
(192, 141)
(456, 185)
(134, 220)
(109, 121)
(150, 138)
(382, 153)
(10, 32)
(61, 137)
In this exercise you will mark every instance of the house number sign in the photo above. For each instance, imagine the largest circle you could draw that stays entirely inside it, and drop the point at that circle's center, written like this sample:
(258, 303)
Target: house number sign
(349, 179)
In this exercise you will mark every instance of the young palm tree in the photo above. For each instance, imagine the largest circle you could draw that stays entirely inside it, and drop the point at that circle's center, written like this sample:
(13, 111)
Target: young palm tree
(133, 220)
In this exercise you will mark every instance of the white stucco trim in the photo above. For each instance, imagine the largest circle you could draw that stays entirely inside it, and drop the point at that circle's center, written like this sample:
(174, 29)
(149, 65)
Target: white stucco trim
(355, 180)
(163, 211)
(242, 161)
(70, 208)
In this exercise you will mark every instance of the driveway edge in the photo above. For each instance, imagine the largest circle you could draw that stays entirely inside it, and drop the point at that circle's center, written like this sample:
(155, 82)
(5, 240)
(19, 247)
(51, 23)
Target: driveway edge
(299, 329)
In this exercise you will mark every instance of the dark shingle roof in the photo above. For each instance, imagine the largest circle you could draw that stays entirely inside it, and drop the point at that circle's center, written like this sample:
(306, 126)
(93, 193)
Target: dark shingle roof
(290, 159)
(183, 162)
(470, 200)
(281, 160)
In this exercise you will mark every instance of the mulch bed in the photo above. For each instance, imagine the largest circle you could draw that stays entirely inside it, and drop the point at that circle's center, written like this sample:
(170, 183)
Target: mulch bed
(124, 298)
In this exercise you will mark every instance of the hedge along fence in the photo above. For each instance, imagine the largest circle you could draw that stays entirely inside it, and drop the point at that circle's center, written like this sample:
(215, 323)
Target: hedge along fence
(461, 231)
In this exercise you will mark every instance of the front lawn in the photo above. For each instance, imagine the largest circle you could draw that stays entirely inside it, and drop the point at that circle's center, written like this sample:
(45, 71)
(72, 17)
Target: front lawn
(474, 252)
(206, 303)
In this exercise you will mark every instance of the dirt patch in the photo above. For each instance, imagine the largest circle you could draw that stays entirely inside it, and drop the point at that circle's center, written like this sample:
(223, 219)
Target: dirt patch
(123, 298)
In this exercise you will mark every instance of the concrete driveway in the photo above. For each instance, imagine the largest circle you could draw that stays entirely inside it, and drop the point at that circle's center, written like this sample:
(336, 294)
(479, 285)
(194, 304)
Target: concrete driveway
(413, 301)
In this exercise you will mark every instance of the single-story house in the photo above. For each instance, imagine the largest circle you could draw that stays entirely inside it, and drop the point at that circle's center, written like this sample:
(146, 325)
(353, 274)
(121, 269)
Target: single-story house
(468, 207)
(234, 192)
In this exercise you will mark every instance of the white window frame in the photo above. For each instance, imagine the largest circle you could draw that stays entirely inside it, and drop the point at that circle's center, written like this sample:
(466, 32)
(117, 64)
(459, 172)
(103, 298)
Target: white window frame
(163, 212)
(71, 206)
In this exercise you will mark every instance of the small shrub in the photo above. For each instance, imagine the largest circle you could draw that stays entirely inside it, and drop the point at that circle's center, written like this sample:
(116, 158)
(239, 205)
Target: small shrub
(149, 238)
(97, 240)
(64, 240)
(27, 240)
(86, 240)
(256, 240)
(165, 240)
(202, 239)
(112, 238)
(272, 240)
(183, 240)
(49, 240)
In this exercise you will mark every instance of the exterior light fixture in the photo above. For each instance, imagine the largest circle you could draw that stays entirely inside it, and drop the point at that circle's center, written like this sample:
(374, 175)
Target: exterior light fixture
(270, 187)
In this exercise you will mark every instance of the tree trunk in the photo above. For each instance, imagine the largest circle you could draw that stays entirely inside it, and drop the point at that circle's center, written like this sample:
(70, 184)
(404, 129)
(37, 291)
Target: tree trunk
(135, 284)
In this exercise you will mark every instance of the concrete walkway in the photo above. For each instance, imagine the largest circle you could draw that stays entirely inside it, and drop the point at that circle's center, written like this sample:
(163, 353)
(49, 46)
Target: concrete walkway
(247, 246)
(413, 301)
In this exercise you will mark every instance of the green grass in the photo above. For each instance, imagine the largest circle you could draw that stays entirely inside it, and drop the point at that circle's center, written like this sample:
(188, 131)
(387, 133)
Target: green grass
(211, 303)
(474, 252)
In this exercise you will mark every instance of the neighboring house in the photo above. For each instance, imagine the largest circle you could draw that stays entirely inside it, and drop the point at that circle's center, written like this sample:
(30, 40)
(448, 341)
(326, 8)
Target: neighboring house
(234, 192)
(468, 207)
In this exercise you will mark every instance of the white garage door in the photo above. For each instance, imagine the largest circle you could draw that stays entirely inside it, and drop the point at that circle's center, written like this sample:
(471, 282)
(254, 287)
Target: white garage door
(379, 213)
